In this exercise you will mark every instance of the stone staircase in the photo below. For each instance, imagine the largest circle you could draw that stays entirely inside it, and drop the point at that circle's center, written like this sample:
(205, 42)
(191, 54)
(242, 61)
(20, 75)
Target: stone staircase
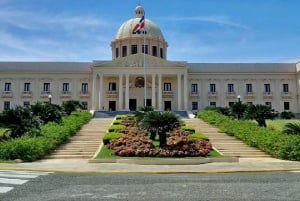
(85, 143)
(227, 145)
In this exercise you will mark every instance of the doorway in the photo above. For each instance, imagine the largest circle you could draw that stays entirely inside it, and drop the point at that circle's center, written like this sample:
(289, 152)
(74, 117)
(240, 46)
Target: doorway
(132, 104)
(112, 105)
(168, 106)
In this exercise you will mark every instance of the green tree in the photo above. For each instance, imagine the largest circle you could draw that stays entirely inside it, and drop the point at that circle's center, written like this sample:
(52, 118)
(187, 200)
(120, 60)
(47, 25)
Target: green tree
(238, 109)
(141, 111)
(71, 106)
(19, 121)
(160, 123)
(260, 113)
(47, 112)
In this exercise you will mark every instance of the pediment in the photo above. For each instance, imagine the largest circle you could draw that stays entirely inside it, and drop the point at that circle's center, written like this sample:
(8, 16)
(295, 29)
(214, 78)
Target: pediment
(137, 60)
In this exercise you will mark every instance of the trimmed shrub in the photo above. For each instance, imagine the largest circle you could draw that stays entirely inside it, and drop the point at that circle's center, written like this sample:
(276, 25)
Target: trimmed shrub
(25, 148)
(199, 136)
(116, 128)
(110, 136)
(116, 122)
(191, 129)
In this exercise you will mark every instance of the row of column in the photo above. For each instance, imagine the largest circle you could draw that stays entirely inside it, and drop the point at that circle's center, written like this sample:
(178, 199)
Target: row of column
(99, 92)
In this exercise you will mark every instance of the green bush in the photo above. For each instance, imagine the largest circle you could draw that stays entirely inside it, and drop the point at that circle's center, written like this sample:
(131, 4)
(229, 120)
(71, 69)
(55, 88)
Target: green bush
(287, 115)
(188, 128)
(120, 116)
(51, 135)
(116, 128)
(199, 136)
(110, 136)
(116, 122)
(269, 140)
(25, 148)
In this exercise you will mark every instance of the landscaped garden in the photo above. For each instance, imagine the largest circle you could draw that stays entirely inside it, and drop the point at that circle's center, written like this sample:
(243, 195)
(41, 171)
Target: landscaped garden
(30, 134)
(154, 134)
(278, 137)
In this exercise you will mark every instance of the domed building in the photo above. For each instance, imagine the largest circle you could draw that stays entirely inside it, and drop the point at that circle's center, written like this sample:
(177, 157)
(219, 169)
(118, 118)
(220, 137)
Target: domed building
(140, 74)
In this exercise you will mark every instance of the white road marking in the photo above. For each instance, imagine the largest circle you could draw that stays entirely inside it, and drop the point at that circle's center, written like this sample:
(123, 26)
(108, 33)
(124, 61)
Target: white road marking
(296, 171)
(11, 178)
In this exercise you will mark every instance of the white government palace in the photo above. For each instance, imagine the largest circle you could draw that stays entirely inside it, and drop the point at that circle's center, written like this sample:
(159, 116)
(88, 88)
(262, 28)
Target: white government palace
(139, 68)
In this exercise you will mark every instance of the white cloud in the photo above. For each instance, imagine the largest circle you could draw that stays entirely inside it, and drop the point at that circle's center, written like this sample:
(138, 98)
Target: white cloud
(220, 20)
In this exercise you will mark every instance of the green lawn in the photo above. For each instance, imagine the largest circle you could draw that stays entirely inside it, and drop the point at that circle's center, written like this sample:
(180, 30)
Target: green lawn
(278, 124)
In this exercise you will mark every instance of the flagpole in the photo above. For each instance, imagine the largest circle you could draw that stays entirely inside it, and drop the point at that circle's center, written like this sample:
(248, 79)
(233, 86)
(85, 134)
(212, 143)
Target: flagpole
(145, 76)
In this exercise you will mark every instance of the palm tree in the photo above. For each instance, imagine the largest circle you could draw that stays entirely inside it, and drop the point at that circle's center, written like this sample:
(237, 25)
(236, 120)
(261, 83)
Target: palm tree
(160, 123)
(291, 128)
(260, 113)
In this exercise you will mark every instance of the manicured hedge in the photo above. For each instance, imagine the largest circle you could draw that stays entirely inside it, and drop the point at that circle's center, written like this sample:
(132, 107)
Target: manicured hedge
(51, 135)
(188, 128)
(116, 128)
(267, 139)
(109, 136)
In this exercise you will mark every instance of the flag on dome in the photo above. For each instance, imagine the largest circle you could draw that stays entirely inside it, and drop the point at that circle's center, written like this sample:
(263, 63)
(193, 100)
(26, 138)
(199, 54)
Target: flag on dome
(139, 26)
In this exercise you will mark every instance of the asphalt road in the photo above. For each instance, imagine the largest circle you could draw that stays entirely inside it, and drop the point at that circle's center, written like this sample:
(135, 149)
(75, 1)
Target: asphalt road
(85, 187)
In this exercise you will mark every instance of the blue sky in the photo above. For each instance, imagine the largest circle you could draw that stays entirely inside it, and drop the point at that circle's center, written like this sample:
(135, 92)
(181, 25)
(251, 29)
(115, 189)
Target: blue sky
(196, 30)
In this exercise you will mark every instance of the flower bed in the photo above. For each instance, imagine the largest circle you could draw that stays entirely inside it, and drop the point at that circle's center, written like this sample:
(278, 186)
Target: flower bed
(136, 143)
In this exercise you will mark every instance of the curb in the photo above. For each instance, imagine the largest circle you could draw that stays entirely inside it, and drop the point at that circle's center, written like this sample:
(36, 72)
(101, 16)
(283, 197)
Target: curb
(167, 161)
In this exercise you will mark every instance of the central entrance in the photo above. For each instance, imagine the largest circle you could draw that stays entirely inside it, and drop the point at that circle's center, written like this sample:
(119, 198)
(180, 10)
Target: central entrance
(132, 104)
(168, 106)
(112, 105)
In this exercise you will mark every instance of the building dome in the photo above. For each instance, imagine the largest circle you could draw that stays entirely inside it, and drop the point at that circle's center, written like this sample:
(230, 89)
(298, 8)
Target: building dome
(132, 32)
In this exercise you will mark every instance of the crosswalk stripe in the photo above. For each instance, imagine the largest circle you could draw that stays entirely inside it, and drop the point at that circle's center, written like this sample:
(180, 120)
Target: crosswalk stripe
(12, 181)
(5, 189)
(12, 178)
(296, 171)
(10, 175)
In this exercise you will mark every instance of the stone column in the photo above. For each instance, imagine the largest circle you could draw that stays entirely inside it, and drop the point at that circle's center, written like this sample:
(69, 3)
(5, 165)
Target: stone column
(185, 95)
(127, 93)
(101, 93)
(153, 91)
(179, 98)
(121, 92)
(94, 95)
(159, 92)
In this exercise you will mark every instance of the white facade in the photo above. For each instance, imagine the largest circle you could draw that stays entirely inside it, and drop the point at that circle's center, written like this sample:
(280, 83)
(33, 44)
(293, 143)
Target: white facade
(170, 85)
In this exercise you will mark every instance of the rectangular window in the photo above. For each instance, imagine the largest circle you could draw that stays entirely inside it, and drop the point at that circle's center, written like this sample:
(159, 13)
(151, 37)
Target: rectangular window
(6, 105)
(212, 88)
(84, 88)
(7, 86)
(145, 49)
(112, 86)
(84, 105)
(230, 88)
(194, 105)
(154, 51)
(161, 53)
(249, 88)
(46, 87)
(27, 87)
(286, 105)
(167, 86)
(267, 88)
(194, 88)
(66, 87)
(124, 51)
(26, 104)
(213, 104)
(285, 88)
(117, 52)
(134, 49)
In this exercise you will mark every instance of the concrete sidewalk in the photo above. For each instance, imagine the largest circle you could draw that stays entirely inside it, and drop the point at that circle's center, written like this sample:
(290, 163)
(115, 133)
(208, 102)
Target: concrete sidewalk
(83, 166)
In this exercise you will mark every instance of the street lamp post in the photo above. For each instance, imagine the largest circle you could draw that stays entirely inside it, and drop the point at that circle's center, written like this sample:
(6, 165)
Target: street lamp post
(49, 97)
(239, 98)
